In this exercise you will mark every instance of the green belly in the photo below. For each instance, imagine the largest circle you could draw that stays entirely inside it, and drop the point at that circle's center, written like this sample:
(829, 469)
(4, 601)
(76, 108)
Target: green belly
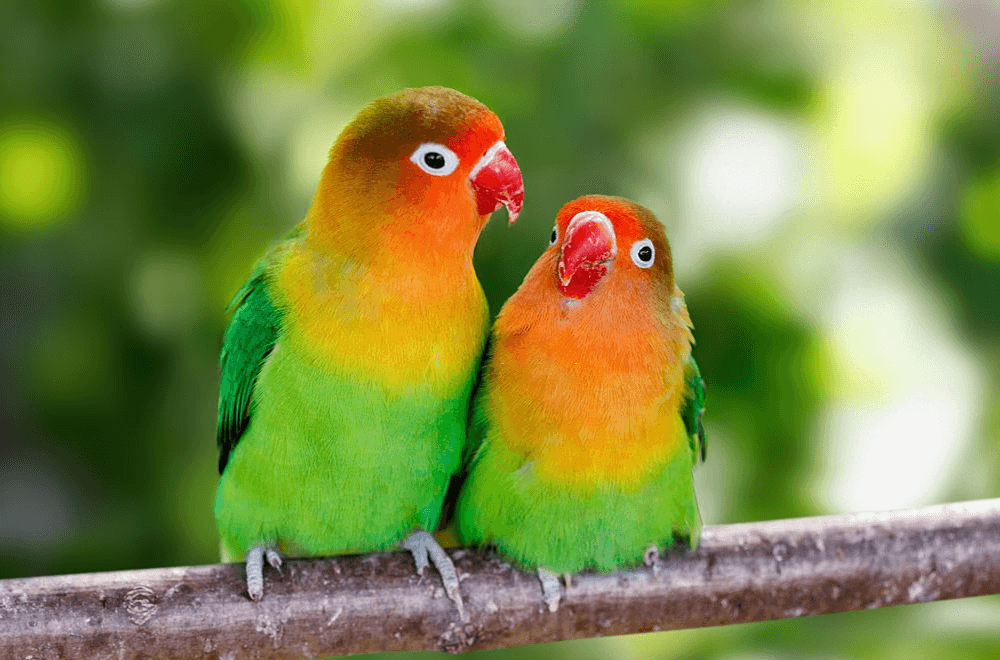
(566, 529)
(331, 464)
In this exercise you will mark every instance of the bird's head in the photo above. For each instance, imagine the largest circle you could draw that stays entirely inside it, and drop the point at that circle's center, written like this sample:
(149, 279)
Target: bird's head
(422, 156)
(608, 246)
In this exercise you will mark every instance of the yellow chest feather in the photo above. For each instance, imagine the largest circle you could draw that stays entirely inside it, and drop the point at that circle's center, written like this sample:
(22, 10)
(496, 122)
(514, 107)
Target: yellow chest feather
(396, 328)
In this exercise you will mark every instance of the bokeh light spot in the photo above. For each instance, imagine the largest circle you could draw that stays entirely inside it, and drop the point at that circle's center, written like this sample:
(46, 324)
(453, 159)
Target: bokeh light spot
(739, 174)
(905, 394)
(743, 173)
(41, 173)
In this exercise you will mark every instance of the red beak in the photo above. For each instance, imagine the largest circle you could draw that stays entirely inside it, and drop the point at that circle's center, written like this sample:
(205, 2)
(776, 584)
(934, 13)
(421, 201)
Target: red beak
(587, 249)
(496, 180)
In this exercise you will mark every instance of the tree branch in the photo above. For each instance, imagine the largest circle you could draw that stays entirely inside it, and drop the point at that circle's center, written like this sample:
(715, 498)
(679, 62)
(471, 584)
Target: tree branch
(360, 604)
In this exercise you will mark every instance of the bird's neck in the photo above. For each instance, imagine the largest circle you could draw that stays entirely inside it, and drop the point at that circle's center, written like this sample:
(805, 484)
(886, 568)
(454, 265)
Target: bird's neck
(433, 240)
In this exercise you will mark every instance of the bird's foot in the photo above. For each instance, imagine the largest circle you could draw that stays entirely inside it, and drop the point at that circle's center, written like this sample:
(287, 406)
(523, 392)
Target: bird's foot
(551, 591)
(255, 568)
(422, 545)
(652, 558)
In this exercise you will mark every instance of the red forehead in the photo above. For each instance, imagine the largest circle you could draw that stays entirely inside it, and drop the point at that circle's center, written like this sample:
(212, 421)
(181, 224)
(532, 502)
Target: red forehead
(621, 212)
(478, 132)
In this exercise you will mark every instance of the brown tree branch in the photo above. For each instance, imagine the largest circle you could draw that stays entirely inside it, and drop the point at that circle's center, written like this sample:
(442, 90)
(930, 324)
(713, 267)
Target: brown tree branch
(360, 604)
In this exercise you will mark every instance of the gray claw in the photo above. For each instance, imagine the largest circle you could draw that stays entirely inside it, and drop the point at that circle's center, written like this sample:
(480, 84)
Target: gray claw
(418, 548)
(652, 558)
(255, 572)
(422, 545)
(551, 591)
(274, 558)
(255, 568)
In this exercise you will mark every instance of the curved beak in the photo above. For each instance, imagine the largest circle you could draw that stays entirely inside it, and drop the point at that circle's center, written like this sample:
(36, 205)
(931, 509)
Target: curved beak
(587, 250)
(496, 180)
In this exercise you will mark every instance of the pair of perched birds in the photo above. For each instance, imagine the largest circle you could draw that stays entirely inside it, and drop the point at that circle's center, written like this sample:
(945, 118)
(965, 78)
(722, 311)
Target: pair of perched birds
(355, 385)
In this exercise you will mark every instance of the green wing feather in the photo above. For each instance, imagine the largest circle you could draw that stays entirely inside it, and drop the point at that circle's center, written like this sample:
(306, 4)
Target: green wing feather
(694, 409)
(246, 344)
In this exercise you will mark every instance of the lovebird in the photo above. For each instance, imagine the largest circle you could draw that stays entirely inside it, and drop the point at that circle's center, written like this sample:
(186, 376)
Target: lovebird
(587, 421)
(349, 360)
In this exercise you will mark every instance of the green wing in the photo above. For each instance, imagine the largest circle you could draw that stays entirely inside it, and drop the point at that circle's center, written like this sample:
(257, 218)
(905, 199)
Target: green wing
(694, 409)
(248, 340)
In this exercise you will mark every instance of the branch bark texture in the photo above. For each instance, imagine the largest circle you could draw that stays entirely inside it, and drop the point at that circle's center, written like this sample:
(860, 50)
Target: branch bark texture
(361, 604)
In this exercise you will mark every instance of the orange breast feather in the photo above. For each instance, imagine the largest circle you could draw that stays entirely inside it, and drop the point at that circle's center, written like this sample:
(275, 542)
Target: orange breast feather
(593, 398)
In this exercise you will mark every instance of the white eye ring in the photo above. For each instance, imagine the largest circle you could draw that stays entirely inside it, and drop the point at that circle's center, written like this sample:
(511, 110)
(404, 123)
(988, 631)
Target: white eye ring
(435, 159)
(639, 251)
(555, 235)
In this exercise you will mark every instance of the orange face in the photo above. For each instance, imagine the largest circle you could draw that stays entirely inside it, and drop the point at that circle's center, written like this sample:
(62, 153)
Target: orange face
(608, 243)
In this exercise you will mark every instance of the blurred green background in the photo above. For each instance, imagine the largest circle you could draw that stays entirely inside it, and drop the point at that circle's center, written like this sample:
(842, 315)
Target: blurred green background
(828, 172)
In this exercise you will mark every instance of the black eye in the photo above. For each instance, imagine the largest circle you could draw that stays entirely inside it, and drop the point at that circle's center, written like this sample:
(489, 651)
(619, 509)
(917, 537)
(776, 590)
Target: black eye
(434, 160)
(643, 253)
(554, 237)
